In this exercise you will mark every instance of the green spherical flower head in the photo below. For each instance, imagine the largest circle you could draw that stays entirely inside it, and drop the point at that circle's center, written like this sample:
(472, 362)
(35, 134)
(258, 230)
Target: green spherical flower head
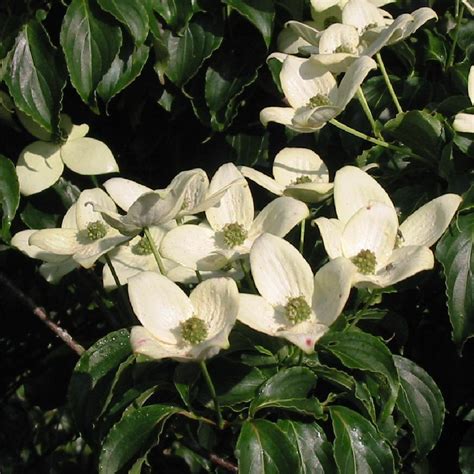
(303, 180)
(365, 262)
(96, 230)
(193, 330)
(297, 310)
(142, 247)
(234, 234)
(319, 100)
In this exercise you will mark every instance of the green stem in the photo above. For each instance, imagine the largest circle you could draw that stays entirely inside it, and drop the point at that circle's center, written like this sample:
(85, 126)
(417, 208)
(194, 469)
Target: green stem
(94, 180)
(212, 391)
(155, 251)
(199, 276)
(459, 17)
(388, 83)
(302, 234)
(367, 111)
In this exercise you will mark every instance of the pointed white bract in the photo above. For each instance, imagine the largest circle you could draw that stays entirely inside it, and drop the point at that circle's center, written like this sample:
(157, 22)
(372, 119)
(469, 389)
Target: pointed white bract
(41, 164)
(84, 235)
(464, 122)
(298, 172)
(293, 303)
(367, 232)
(178, 327)
(231, 228)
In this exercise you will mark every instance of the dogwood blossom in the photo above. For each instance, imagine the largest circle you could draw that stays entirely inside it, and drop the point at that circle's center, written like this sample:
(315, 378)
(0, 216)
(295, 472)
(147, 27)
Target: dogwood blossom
(179, 327)
(292, 303)
(367, 232)
(231, 226)
(298, 172)
(464, 122)
(41, 164)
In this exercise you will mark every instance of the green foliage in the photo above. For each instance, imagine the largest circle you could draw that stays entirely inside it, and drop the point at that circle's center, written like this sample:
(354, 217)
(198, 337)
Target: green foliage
(9, 195)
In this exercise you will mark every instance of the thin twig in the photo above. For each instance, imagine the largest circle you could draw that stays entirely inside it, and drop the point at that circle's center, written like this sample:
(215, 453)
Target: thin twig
(223, 463)
(41, 314)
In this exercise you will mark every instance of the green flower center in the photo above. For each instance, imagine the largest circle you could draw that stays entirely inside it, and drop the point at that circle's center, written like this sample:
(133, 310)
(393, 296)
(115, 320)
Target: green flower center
(297, 310)
(96, 230)
(142, 247)
(319, 100)
(193, 330)
(234, 234)
(302, 180)
(345, 48)
(365, 262)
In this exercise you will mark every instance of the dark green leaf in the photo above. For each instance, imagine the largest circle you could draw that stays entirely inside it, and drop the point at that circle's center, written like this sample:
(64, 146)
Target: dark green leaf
(294, 7)
(36, 76)
(36, 219)
(455, 252)
(93, 377)
(421, 402)
(288, 389)
(249, 149)
(132, 13)
(187, 53)
(466, 452)
(90, 44)
(9, 27)
(314, 450)
(176, 13)
(184, 377)
(260, 12)
(420, 131)
(263, 448)
(435, 48)
(9, 194)
(358, 446)
(126, 67)
(359, 350)
(195, 462)
(464, 144)
(135, 432)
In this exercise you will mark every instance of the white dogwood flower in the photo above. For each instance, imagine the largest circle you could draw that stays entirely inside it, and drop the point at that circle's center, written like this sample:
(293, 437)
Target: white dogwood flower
(464, 122)
(178, 327)
(298, 172)
(367, 232)
(232, 226)
(41, 164)
(293, 304)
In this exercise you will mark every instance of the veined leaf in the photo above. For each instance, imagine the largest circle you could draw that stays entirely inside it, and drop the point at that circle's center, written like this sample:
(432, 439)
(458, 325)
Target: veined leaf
(176, 13)
(9, 194)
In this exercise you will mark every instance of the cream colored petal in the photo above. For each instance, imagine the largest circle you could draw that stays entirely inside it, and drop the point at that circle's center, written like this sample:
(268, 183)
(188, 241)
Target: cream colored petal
(143, 342)
(336, 63)
(353, 189)
(57, 241)
(289, 41)
(339, 35)
(293, 163)
(331, 232)
(305, 31)
(73, 131)
(426, 225)
(159, 231)
(321, 5)
(236, 206)
(323, 19)
(314, 118)
(362, 14)
(194, 183)
(21, 241)
(88, 156)
(125, 192)
(309, 192)
(304, 335)
(301, 80)
(53, 272)
(470, 84)
(39, 167)
(353, 78)
(85, 213)
(469, 4)
(256, 312)
(403, 263)
(194, 247)
(160, 305)
(464, 123)
(419, 18)
(282, 115)
(372, 228)
(332, 285)
(279, 217)
(70, 218)
(263, 180)
(279, 270)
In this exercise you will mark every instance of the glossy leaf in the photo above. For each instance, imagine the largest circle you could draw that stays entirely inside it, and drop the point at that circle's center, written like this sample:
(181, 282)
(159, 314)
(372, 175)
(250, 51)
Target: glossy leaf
(260, 12)
(466, 452)
(132, 13)
(421, 402)
(360, 350)
(248, 149)
(176, 13)
(36, 219)
(358, 446)
(90, 44)
(36, 76)
(135, 432)
(264, 448)
(455, 252)
(313, 448)
(435, 47)
(9, 194)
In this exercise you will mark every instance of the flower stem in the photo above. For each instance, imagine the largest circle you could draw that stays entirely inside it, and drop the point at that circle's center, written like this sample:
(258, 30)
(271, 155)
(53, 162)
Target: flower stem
(155, 251)
(388, 83)
(367, 111)
(198, 276)
(212, 391)
(459, 17)
(302, 234)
